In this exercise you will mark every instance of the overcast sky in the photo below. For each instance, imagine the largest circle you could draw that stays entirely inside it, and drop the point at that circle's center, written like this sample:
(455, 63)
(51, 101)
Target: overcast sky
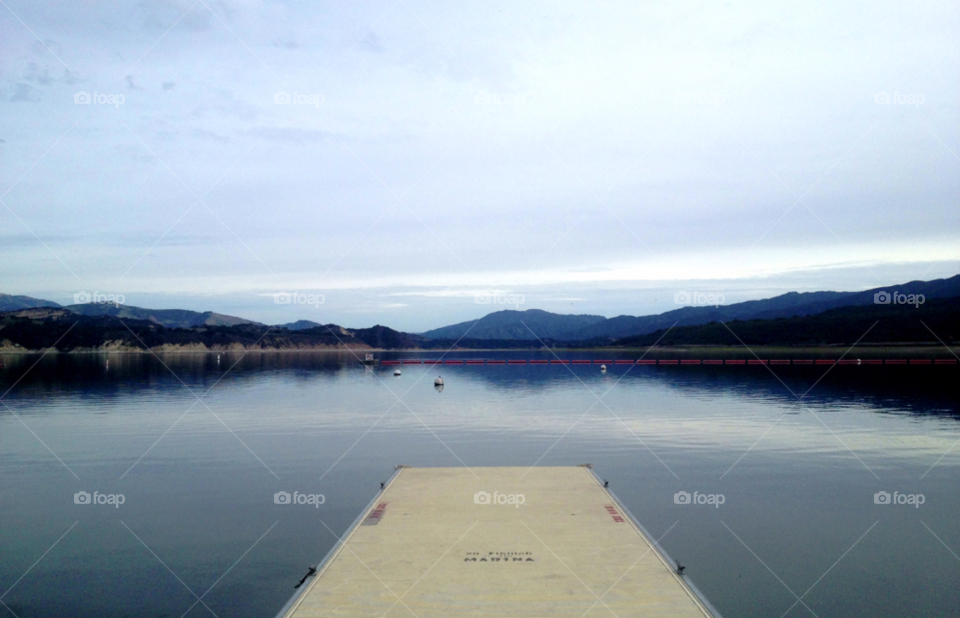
(401, 157)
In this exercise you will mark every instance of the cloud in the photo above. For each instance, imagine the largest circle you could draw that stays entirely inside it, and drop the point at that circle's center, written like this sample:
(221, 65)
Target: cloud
(168, 85)
(47, 46)
(35, 74)
(162, 15)
(371, 43)
(25, 93)
(204, 134)
(283, 134)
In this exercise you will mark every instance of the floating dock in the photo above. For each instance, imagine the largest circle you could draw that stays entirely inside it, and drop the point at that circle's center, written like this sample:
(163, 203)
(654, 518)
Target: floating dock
(524, 542)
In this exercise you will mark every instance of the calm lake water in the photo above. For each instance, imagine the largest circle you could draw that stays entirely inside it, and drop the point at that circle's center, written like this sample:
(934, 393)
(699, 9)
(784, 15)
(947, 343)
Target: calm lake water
(798, 477)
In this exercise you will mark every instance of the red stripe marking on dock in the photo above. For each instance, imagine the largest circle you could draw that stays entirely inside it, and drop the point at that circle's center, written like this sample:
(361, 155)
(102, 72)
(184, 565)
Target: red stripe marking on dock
(754, 361)
(453, 362)
(779, 361)
(539, 362)
(411, 362)
(825, 361)
(945, 361)
(601, 361)
(689, 362)
(713, 361)
(802, 361)
(921, 361)
(559, 362)
(624, 362)
(848, 361)
(513, 362)
(390, 363)
(668, 362)
(498, 362)
(580, 362)
(614, 514)
(735, 362)
(646, 361)
(895, 361)
(474, 362)
(375, 515)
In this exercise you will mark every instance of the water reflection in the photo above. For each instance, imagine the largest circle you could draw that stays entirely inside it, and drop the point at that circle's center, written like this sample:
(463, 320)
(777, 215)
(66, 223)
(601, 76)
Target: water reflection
(199, 447)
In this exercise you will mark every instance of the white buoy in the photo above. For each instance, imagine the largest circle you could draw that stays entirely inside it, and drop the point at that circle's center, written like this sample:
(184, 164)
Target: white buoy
(438, 381)
(396, 372)
(603, 367)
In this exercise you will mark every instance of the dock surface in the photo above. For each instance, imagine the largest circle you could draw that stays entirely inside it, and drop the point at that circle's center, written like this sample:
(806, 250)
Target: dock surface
(436, 543)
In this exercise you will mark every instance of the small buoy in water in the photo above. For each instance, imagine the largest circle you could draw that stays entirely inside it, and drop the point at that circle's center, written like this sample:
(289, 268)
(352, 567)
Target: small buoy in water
(396, 372)
(603, 367)
(218, 358)
(439, 387)
(858, 361)
(438, 381)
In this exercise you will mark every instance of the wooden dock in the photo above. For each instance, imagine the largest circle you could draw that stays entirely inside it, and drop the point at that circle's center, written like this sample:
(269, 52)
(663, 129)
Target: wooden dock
(442, 542)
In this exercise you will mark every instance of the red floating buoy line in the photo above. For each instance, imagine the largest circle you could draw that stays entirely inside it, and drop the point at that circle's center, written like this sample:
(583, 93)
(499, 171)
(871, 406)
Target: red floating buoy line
(674, 361)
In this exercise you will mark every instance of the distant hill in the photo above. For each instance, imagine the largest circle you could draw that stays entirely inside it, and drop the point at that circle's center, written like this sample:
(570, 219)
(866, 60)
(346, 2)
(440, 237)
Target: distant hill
(299, 325)
(509, 324)
(171, 318)
(9, 302)
(840, 326)
(44, 328)
(386, 338)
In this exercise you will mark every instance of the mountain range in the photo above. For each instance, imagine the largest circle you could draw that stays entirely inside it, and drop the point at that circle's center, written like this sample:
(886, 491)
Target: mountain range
(497, 329)
(511, 324)
(937, 319)
(8, 302)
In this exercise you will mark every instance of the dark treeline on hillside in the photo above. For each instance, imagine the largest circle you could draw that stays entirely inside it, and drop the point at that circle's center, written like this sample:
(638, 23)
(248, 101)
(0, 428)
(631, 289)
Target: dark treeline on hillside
(38, 329)
(843, 326)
